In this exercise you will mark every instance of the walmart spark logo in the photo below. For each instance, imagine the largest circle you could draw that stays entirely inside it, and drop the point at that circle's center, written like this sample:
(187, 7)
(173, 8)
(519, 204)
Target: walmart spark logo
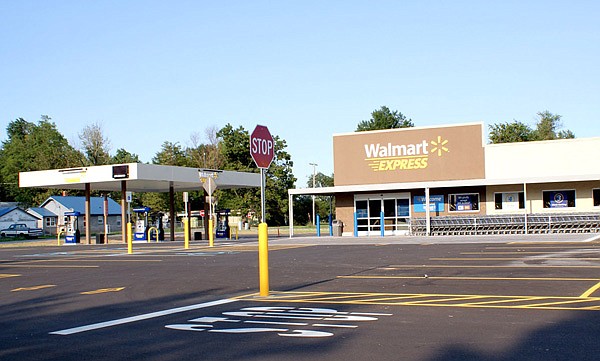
(439, 146)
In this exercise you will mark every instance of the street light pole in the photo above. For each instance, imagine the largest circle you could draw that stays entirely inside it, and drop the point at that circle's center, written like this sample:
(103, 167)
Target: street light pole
(314, 165)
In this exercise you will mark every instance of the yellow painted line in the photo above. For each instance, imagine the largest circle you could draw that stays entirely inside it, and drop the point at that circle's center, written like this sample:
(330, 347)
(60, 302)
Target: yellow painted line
(509, 300)
(459, 298)
(45, 266)
(499, 253)
(103, 290)
(34, 288)
(585, 246)
(516, 259)
(591, 290)
(555, 303)
(474, 278)
(87, 259)
(7, 275)
(479, 266)
(436, 300)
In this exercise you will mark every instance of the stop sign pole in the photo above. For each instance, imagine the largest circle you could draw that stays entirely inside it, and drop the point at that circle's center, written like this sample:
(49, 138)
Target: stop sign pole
(262, 151)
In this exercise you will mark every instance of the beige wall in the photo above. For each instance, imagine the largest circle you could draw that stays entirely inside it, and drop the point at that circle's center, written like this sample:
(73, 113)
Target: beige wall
(584, 201)
(565, 157)
(409, 155)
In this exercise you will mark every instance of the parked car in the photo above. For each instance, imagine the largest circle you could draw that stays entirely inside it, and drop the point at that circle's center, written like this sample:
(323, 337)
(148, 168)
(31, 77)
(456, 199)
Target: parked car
(21, 230)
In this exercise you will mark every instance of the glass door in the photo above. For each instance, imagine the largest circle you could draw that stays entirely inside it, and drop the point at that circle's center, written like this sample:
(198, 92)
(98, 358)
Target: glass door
(396, 214)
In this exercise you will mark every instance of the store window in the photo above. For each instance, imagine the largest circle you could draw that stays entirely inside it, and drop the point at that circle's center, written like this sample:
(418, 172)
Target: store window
(466, 202)
(509, 200)
(559, 199)
(596, 195)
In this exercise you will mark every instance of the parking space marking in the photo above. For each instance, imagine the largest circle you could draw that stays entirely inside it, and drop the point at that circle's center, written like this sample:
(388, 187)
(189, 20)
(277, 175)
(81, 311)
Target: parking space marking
(103, 290)
(558, 279)
(514, 259)
(434, 300)
(541, 247)
(8, 275)
(33, 288)
(590, 291)
(400, 267)
(46, 266)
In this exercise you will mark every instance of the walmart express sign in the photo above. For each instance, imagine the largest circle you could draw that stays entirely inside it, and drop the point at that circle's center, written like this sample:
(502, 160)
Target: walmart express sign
(397, 157)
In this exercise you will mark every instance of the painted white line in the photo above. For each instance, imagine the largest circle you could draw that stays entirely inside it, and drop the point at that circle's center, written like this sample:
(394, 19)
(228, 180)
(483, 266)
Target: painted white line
(592, 239)
(146, 316)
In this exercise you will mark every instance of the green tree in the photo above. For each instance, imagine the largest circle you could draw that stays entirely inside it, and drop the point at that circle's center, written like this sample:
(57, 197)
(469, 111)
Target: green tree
(384, 118)
(32, 147)
(123, 156)
(546, 128)
(509, 132)
(171, 154)
(548, 125)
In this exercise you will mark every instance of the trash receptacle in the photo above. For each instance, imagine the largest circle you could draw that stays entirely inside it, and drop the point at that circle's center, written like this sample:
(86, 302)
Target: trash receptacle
(100, 238)
(338, 227)
(197, 236)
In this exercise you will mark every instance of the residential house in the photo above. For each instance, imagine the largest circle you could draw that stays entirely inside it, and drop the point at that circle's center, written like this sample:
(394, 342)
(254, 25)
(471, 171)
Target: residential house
(61, 204)
(14, 214)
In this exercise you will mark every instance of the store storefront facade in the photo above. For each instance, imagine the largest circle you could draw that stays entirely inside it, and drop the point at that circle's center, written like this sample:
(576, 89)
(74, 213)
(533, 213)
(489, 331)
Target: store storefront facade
(384, 180)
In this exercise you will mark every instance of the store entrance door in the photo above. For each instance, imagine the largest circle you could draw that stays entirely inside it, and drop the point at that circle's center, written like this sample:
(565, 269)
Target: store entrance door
(396, 213)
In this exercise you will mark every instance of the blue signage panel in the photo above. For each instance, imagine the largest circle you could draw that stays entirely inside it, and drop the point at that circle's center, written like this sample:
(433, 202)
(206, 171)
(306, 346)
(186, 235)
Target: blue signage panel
(436, 203)
(558, 200)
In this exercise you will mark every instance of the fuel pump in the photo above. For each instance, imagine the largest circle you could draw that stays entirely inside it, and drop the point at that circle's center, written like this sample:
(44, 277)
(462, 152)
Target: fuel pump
(141, 224)
(159, 225)
(222, 223)
(72, 234)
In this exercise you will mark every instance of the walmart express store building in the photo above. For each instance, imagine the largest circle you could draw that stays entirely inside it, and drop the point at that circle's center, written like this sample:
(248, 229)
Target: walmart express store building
(446, 180)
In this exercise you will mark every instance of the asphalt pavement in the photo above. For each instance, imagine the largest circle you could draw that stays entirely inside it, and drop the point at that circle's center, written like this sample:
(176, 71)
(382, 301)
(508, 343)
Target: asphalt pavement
(494, 298)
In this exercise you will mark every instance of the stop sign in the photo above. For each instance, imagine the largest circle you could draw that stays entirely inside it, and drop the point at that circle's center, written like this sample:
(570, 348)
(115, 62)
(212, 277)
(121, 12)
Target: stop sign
(262, 146)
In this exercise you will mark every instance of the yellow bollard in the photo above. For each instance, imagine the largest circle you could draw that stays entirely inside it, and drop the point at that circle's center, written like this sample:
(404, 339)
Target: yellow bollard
(236, 233)
(150, 232)
(211, 239)
(129, 240)
(186, 233)
(263, 258)
(58, 237)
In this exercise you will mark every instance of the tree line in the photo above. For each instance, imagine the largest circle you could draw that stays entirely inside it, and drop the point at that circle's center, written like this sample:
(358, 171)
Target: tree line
(40, 146)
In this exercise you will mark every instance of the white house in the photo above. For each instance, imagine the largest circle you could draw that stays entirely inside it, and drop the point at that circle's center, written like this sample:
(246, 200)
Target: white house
(10, 215)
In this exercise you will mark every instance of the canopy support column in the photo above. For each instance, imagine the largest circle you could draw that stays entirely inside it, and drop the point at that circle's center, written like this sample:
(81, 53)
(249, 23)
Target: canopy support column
(87, 214)
(427, 213)
(172, 211)
(291, 207)
(124, 211)
(525, 201)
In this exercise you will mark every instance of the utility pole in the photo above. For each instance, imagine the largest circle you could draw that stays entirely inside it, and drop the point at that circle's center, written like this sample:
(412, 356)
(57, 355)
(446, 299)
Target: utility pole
(314, 165)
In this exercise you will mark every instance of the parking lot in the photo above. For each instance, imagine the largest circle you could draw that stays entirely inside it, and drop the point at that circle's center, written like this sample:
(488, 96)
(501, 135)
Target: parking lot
(404, 298)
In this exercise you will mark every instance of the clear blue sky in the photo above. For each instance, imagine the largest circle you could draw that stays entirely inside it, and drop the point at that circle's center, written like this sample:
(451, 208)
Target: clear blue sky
(155, 71)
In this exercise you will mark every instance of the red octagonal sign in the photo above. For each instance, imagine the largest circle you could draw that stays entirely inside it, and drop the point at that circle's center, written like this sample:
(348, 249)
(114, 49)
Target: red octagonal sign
(262, 146)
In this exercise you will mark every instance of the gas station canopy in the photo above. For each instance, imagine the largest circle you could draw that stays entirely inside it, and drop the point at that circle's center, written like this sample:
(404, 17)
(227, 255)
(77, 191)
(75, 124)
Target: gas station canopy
(136, 177)
(139, 177)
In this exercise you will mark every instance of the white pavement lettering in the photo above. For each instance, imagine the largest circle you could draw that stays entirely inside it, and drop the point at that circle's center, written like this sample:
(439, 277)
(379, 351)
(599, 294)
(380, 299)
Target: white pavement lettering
(215, 324)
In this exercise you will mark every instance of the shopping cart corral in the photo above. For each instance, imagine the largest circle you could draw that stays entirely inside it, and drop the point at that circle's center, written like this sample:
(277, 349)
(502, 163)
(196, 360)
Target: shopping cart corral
(507, 224)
